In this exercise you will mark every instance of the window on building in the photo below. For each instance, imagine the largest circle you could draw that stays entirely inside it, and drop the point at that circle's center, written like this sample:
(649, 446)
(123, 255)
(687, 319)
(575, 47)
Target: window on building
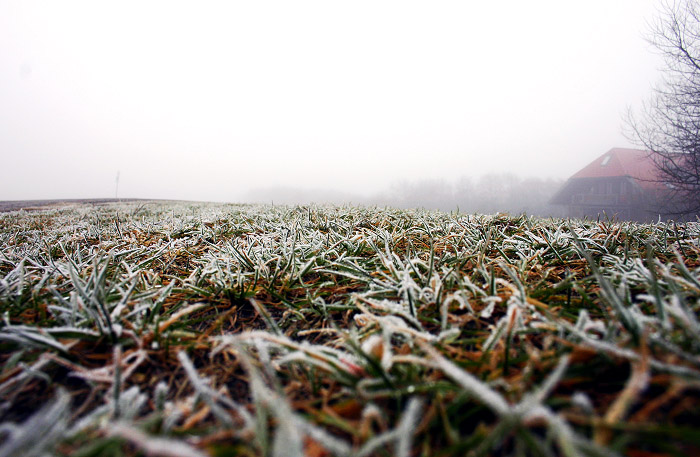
(605, 161)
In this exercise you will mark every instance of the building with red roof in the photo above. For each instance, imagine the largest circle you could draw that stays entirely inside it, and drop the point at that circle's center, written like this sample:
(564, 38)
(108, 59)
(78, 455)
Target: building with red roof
(621, 183)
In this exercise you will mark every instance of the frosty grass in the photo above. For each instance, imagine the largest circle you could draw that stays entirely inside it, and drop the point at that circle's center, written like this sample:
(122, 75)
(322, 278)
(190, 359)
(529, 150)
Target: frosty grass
(178, 329)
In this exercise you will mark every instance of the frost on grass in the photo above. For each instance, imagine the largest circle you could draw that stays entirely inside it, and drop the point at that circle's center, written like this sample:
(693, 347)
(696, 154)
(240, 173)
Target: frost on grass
(202, 329)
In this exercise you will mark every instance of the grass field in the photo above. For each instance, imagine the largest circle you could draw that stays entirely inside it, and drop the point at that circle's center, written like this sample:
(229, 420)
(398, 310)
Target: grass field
(194, 329)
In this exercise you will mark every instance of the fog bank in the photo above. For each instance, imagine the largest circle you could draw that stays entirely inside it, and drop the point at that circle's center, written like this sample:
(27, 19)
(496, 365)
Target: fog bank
(492, 193)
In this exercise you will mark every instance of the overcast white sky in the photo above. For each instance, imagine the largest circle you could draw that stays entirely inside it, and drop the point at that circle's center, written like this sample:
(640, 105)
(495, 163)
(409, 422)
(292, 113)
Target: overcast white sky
(206, 100)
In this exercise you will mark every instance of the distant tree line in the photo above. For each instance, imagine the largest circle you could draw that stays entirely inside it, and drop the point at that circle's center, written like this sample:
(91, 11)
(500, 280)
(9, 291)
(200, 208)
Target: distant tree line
(488, 194)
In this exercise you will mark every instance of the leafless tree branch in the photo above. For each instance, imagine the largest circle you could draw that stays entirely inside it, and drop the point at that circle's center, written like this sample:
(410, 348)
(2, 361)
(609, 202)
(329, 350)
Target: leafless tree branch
(669, 122)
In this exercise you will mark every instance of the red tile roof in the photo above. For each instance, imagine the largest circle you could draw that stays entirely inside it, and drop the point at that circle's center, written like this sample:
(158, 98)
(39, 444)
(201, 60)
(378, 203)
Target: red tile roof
(634, 163)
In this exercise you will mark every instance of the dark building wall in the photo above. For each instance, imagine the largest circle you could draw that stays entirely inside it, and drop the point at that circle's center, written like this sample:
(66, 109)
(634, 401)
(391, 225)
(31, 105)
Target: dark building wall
(618, 197)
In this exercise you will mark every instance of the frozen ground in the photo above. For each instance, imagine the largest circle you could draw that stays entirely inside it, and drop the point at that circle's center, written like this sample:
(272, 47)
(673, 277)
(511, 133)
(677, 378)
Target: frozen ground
(14, 205)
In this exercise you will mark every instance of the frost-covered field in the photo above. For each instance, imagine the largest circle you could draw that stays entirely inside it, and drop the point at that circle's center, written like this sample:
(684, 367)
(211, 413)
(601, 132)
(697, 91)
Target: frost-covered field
(186, 330)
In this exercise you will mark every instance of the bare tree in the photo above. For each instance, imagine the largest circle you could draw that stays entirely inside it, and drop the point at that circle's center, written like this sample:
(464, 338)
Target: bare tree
(669, 123)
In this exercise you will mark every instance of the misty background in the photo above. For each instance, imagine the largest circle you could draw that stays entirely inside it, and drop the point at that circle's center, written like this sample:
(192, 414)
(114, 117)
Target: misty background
(485, 106)
(488, 194)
